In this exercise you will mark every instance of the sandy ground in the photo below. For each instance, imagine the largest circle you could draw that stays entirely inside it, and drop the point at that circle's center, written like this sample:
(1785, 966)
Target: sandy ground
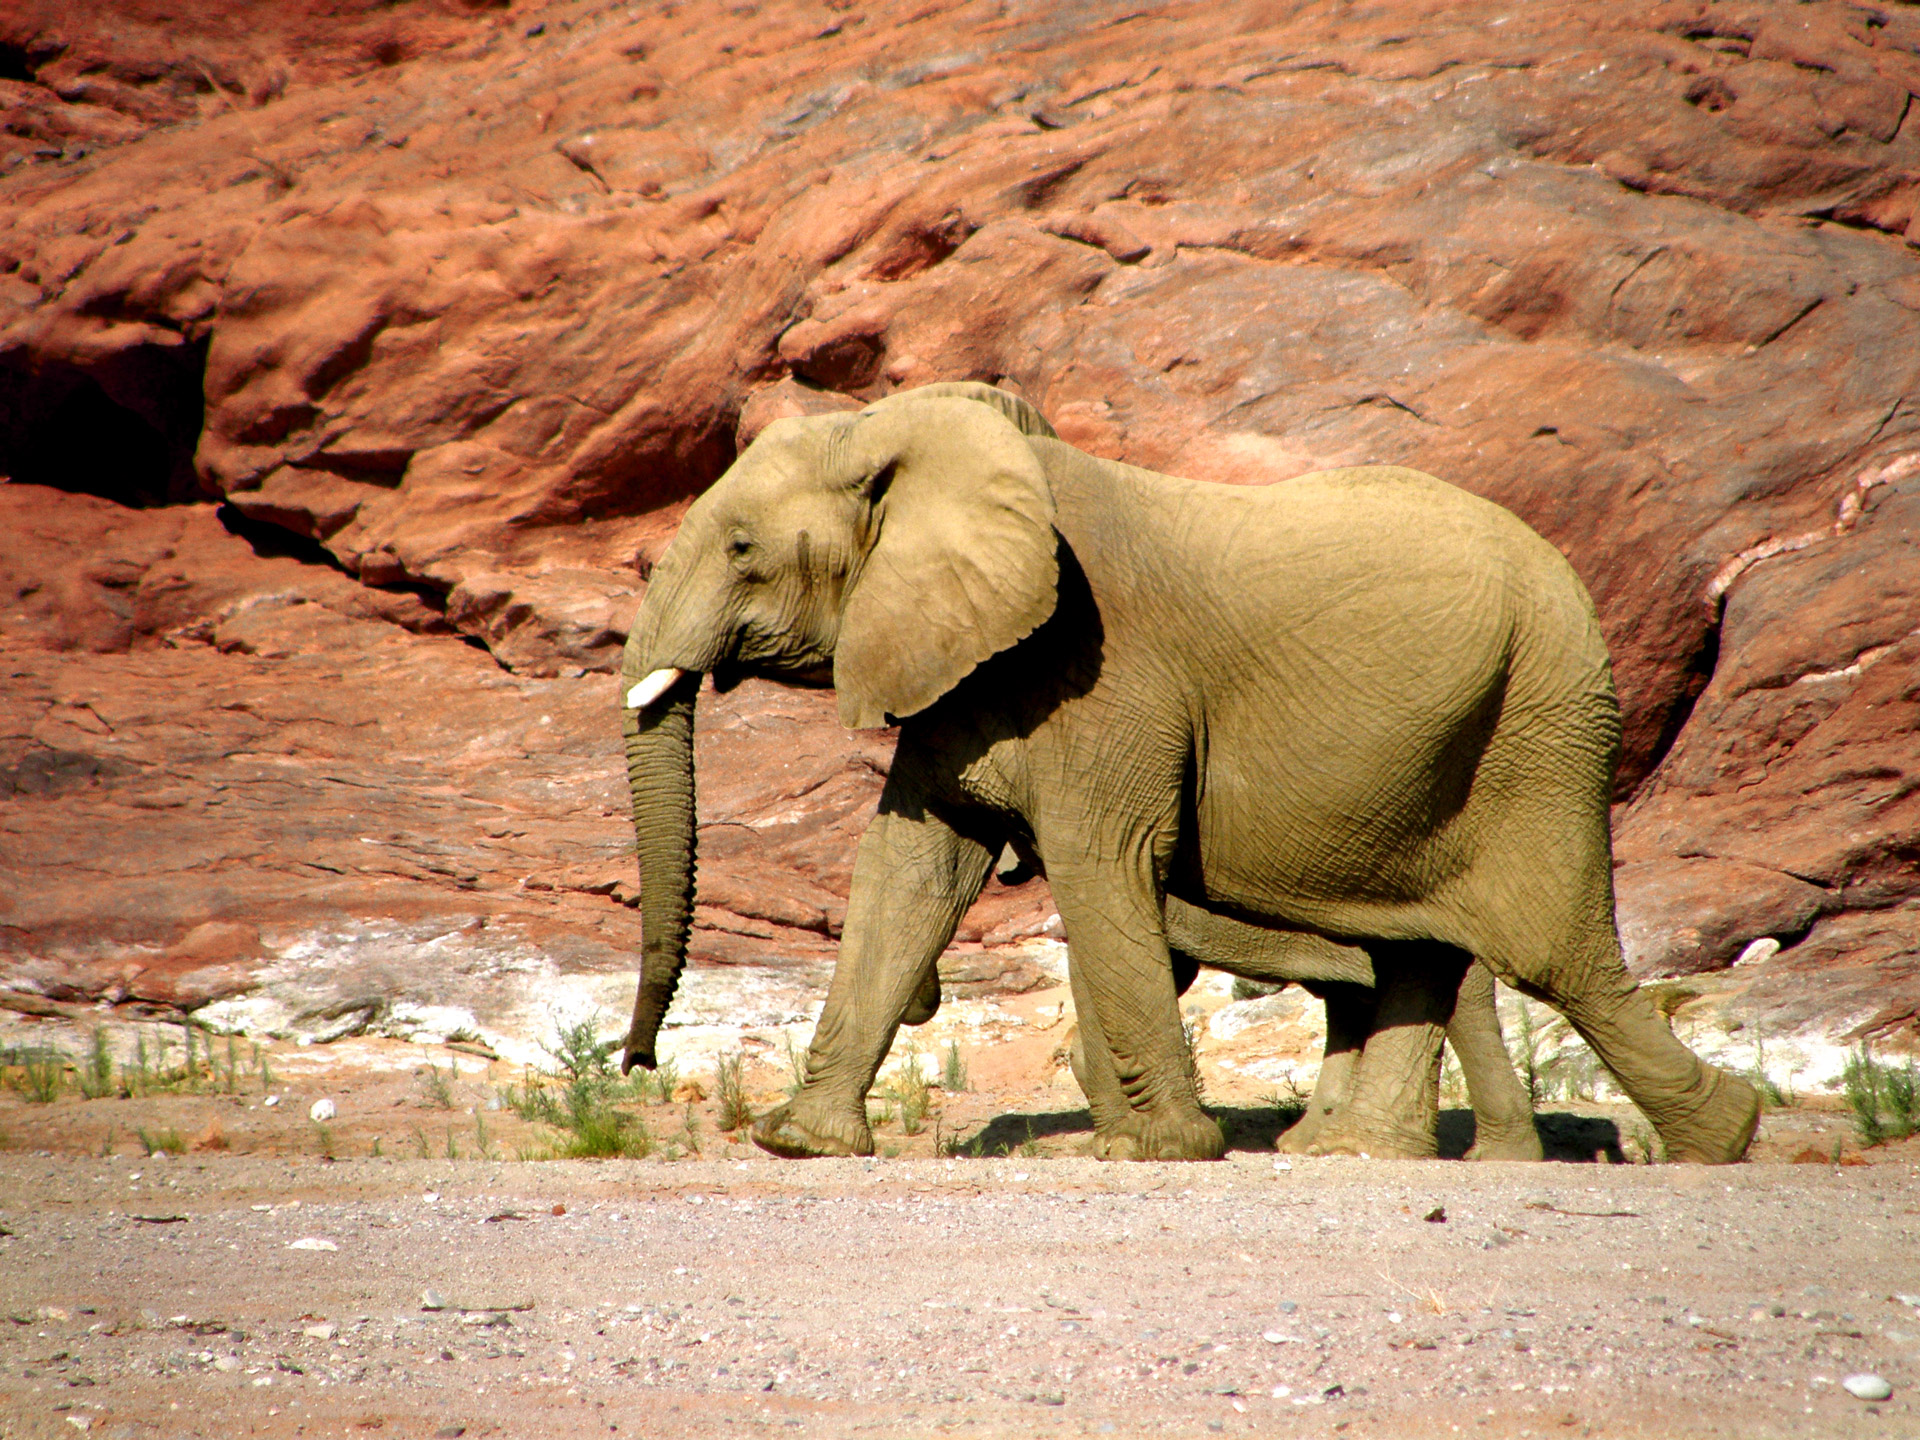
(251, 1295)
(1018, 1290)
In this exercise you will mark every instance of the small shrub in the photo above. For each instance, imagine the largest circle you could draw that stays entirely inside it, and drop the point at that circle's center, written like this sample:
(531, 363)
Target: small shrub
(1881, 1096)
(323, 1138)
(583, 1105)
(953, 1074)
(482, 1141)
(532, 1100)
(579, 1050)
(1647, 1144)
(1776, 1094)
(1030, 1147)
(731, 1098)
(690, 1130)
(606, 1134)
(39, 1074)
(436, 1086)
(796, 1063)
(909, 1092)
(657, 1088)
(96, 1071)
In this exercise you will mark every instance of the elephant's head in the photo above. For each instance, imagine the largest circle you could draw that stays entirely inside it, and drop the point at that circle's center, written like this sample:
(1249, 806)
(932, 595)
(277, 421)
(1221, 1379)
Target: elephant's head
(900, 545)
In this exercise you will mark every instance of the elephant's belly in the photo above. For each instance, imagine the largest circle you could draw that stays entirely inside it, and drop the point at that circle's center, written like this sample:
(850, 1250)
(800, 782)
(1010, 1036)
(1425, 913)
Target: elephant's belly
(1361, 851)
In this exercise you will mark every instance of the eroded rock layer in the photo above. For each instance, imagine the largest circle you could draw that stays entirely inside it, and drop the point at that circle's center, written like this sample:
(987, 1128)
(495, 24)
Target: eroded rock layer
(467, 301)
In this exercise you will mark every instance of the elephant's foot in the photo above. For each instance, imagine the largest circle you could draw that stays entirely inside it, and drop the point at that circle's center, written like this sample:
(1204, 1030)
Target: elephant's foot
(1717, 1125)
(781, 1132)
(1515, 1142)
(1352, 1132)
(1164, 1134)
(1296, 1139)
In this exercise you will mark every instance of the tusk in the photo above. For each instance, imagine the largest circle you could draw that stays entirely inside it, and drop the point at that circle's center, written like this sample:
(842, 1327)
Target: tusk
(652, 688)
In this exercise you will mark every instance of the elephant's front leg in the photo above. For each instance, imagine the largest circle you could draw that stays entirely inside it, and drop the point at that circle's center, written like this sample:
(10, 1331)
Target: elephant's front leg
(1144, 1106)
(912, 881)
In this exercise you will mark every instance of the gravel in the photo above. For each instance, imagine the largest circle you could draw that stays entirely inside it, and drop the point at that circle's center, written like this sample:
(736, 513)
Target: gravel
(920, 1296)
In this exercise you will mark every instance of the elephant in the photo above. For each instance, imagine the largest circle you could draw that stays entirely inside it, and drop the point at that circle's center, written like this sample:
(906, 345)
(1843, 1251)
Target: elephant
(1359, 702)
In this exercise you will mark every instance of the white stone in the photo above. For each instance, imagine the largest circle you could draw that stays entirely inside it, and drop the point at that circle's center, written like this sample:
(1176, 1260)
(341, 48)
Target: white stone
(323, 1110)
(1866, 1387)
(1765, 948)
(320, 1332)
(312, 1242)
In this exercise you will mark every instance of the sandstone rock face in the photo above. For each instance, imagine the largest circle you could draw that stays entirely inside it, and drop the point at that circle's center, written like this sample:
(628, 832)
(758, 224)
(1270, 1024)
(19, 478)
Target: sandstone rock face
(472, 300)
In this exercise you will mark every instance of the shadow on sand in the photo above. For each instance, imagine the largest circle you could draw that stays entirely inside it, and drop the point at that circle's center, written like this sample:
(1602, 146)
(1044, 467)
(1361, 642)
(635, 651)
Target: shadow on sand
(1578, 1139)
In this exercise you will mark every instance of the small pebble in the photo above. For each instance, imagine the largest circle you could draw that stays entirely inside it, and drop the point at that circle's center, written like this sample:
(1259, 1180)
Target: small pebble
(1866, 1387)
(431, 1299)
(312, 1242)
(322, 1110)
(271, 1101)
(320, 1332)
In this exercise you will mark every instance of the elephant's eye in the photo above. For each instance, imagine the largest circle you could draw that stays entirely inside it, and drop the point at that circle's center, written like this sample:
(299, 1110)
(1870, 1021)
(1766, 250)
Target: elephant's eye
(738, 547)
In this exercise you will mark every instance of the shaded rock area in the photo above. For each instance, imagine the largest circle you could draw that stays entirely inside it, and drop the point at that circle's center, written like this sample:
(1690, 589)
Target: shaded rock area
(224, 773)
(353, 375)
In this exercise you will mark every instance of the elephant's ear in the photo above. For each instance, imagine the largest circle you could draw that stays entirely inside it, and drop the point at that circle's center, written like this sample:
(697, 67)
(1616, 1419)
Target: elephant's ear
(1025, 419)
(959, 558)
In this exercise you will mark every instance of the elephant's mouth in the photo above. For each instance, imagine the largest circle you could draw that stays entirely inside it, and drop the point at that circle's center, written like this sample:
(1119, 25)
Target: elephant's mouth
(810, 675)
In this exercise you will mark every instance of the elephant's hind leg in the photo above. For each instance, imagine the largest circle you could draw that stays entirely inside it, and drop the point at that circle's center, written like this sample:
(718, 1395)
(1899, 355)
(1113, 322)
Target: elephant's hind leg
(1349, 1021)
(1703, 1114)
(1503, 1127)
(1394, 1112)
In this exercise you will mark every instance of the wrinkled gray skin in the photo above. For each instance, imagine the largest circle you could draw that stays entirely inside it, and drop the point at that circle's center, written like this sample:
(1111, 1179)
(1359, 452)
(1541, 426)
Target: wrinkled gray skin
(1341, 976)
(1360, 703)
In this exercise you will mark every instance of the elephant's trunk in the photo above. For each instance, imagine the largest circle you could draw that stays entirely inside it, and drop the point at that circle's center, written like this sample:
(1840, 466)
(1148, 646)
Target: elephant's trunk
(660, 773)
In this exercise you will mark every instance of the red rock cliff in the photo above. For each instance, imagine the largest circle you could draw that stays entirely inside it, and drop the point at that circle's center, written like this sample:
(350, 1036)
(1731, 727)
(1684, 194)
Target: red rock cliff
(464, 302)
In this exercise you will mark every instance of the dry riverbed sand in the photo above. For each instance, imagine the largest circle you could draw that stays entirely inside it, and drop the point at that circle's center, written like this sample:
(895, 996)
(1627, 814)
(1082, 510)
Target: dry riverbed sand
(251, 1285)
(251, 1295)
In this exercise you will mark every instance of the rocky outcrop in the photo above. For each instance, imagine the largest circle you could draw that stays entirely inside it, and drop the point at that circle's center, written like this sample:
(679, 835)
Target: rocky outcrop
(216, 765)
(475, 308)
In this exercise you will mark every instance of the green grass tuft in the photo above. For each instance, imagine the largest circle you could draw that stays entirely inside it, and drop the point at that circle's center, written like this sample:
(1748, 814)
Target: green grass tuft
(168, 1141)
(1881, 1096)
